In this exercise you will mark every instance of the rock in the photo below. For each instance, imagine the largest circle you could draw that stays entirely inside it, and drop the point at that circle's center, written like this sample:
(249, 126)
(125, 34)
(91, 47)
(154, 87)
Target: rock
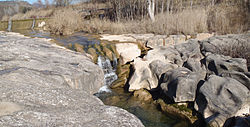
(7, 108)
(239, 122)
(120, 38)
(203, 36)
(180, 84)
(127, 51)
(195, 66)
(146, 75)
(36, 77)
(142, 76)
(239, 76)
(220, 98)
(165, 54)
(143, 95)
(216, 44)
(92, 52)
(163, 40)
(177, 111)
(190, 49)
(108, 53)
(158, 67)
(218, 64)
(79, 48)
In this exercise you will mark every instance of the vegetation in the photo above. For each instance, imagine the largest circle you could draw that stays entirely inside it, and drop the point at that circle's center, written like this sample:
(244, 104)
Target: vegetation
(145, 16)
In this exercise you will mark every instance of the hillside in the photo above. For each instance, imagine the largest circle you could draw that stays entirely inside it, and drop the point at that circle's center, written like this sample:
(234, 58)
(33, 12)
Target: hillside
(12, 7)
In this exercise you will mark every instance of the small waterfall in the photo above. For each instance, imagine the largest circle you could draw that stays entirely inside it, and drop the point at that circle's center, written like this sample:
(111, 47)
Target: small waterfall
(9, 26)
(33, 24)
(109, 72)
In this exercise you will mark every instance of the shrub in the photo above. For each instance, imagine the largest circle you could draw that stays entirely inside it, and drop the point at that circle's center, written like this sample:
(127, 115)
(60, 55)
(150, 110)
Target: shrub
(237, 50)
(65, 22)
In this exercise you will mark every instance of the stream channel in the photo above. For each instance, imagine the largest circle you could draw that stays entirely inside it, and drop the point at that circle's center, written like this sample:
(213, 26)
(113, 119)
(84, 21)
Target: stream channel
(148, 113)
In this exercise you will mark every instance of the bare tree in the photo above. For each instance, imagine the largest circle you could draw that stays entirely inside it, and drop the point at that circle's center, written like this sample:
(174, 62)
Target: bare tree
(151, 9)
(46, 3)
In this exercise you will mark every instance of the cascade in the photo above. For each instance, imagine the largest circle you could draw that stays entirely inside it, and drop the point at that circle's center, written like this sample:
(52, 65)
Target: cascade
(109, 71)
(9, 26)
(33, 24)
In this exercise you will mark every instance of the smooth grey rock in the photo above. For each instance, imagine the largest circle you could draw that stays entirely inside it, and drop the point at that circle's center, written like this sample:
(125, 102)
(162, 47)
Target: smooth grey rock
(180, 84)
(165, 54)
(190, 49)
(218, 63)
(158, 67)
(239, 76)
(36, 79)
(220, 98)
(217, 44)
(44, 63)
(195, 66)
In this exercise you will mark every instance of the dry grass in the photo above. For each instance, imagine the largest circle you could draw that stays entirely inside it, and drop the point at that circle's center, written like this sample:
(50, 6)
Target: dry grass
(65, 22)
(224, 19)
(36, 13)
(237, 50)
(187, 22)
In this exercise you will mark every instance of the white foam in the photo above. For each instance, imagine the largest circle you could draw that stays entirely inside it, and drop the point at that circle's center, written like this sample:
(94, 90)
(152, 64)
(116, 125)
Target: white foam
(105, 89)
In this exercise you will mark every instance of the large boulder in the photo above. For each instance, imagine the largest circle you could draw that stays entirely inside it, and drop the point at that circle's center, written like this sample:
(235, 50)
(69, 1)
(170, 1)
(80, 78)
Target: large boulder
(239, 76)
(165, 54)
(218, 64)
(147, 69)
(190, 49)
(180, 84)
(142, 76)
(220, 98)
(127, 51)
(37, 78)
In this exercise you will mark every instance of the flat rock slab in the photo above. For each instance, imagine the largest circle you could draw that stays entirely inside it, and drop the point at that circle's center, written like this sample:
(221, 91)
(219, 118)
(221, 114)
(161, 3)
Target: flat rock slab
(37, 78)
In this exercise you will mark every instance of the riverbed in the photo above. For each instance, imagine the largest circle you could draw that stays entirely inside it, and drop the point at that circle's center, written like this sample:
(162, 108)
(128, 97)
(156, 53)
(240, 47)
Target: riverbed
(148, 112)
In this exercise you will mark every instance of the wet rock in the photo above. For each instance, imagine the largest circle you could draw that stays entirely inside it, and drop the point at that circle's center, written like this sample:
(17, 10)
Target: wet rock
(79, 48)
(180, 84)
(177, 111)
(127, 51)
(143, 95)
(38, 78)
(218, 64)
(108, 53)
(92, 52)
(220, 98)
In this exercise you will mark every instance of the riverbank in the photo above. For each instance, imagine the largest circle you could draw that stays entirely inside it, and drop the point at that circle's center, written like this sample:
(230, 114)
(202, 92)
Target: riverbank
(43, 84)
(196, 74)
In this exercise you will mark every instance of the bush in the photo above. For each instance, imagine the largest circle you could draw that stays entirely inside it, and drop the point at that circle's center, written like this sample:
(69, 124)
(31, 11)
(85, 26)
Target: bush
(237, 50)
(65, 22)
(224, 19)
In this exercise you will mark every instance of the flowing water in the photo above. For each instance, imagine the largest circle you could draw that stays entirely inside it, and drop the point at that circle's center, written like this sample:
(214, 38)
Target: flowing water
(148, 113)
(9, 26)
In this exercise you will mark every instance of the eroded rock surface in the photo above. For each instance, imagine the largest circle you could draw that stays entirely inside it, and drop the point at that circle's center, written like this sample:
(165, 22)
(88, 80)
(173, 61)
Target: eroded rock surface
(221, 98)
(37, 78)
